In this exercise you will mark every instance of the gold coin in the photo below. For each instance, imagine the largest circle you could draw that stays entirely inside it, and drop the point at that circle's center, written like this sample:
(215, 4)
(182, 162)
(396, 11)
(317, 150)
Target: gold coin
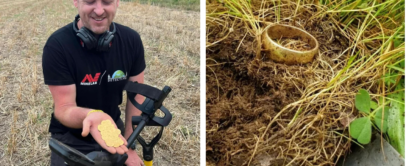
(110, 134)
(104, 132)
(106, 137)
(105, 122)
(100, 127)
(109, 143)
(115, 144)
(118, 132)
(119, 142)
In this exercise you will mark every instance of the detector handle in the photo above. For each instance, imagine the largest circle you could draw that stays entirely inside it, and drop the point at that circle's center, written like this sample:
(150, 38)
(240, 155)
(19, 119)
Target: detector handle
(153, 102)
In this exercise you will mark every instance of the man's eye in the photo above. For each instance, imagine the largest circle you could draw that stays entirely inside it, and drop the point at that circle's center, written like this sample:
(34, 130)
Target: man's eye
(107, 2)
(89, 2)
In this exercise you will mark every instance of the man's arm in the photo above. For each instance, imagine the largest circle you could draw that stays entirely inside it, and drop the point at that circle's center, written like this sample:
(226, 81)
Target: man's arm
(66, 110)
(131, 110)
(70, 115)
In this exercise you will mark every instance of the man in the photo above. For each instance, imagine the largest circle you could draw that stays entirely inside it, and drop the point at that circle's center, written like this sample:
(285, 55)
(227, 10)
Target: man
(86, 65)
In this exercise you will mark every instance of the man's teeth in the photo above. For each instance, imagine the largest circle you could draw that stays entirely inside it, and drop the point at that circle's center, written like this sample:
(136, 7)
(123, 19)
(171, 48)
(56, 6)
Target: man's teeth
(98, 19)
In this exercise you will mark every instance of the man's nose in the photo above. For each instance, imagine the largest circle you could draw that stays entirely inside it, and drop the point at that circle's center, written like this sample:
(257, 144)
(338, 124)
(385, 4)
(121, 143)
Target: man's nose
(99, 9)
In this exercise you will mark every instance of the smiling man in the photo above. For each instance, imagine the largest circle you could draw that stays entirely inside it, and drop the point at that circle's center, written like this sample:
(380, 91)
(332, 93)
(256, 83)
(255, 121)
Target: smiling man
(86, 65)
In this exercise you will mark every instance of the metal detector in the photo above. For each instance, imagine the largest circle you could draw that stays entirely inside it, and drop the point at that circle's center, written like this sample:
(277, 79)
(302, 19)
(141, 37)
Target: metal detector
(153, 102)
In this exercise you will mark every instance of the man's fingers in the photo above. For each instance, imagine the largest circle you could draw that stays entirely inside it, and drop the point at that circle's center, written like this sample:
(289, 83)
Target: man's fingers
(112, 150)
(120, 150)
(97, 136)
(125, 141)
(86, 128)
(124, 148)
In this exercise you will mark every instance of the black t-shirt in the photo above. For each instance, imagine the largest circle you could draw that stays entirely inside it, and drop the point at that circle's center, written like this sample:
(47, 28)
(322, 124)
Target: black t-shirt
(99, 76)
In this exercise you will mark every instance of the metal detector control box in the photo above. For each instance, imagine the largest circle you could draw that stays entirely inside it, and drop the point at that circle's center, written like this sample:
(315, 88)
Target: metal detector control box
(153, 102)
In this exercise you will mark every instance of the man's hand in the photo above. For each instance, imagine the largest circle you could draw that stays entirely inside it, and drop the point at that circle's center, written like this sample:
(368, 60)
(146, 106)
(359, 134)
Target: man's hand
(90, 124)
(133, 159)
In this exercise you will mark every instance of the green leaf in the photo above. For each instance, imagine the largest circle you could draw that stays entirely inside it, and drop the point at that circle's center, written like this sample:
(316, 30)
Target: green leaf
(397, 42)
(396, 121)
(396, 67)
(360, 129)
(402, 64)
(363, 5)
(378, 119)
(374, 105)
(390, 78)
(380, 100)
(362, 101)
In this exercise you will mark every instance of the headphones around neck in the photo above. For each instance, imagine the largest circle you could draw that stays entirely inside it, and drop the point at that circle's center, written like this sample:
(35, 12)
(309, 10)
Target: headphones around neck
(88, 39)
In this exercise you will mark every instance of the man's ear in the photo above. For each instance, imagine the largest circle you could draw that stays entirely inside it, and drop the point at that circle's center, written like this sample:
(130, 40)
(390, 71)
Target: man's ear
(75, 2)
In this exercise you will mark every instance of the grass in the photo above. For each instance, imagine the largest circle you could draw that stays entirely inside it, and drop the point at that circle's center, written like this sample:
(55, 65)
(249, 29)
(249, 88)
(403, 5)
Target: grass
(26, 103)
(177, 4)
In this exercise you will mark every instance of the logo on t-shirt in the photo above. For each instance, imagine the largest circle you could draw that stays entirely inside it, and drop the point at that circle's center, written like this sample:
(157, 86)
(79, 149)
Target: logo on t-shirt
(117, 76)
(89, 80)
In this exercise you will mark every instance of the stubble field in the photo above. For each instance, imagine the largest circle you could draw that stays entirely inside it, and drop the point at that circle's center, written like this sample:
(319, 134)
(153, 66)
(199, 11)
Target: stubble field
(171, 42)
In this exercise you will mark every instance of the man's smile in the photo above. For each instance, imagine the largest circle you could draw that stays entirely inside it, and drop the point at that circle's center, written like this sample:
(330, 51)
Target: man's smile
(98, 20)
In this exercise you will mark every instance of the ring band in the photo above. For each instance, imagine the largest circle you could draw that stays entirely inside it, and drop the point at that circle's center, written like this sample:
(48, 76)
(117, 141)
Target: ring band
(93, 111)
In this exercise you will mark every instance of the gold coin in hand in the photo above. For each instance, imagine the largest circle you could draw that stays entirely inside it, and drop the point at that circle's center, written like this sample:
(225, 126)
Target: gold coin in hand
(110, 134)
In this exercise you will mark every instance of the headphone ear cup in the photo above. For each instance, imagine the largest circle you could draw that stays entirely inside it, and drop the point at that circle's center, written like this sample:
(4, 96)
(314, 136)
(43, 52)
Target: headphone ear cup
(88, 39)
(104, 41)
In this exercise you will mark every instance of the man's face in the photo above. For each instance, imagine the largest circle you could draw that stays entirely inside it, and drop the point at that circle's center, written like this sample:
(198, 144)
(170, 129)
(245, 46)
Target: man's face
(96, 15)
